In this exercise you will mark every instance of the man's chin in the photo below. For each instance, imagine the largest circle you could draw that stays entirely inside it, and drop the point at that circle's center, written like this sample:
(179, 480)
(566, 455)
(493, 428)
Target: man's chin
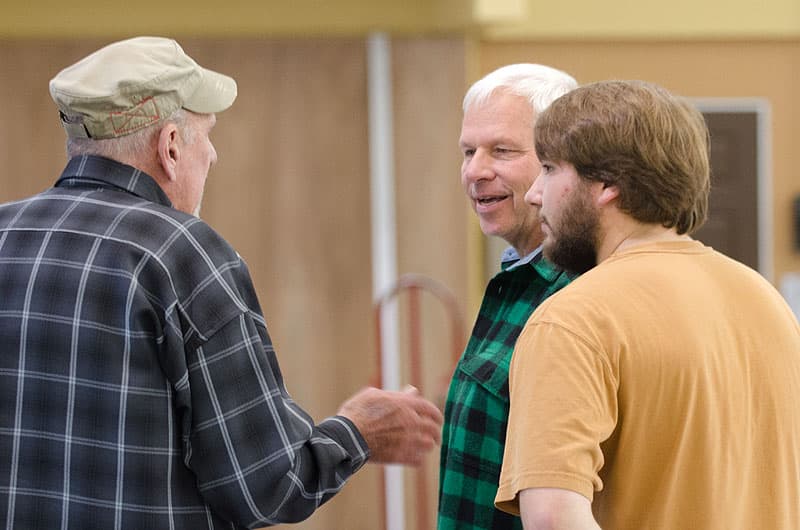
(575, 260)
(491, 228)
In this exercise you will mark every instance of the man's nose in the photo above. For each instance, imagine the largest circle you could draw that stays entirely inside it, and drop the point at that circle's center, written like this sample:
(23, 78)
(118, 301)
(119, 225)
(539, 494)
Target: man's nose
(478, 167)
(534, 193)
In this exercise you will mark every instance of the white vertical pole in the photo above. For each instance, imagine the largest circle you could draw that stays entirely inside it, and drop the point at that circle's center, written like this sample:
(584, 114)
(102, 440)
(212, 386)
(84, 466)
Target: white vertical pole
(384, 237)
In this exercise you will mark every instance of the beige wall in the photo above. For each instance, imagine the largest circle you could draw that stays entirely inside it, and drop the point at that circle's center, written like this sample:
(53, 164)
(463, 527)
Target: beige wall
(625, 19)
(492, 19)
(252, 18)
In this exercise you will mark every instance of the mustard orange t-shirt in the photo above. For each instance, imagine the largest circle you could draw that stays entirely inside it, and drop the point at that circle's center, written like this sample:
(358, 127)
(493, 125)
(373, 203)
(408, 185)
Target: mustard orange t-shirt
(663, 385)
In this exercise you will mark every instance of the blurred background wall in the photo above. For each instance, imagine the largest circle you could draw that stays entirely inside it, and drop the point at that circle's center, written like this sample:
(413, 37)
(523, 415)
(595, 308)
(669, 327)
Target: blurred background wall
(291, 190)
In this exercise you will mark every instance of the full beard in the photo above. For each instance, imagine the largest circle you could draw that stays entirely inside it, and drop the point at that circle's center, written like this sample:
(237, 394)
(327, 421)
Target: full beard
(574, 246)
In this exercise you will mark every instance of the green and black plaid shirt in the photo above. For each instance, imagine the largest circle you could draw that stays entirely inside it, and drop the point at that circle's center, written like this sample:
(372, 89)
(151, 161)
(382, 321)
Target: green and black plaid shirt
(476, 412)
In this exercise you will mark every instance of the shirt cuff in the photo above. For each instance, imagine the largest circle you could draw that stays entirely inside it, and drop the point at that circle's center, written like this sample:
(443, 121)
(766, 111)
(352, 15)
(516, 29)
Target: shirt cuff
(345, 432)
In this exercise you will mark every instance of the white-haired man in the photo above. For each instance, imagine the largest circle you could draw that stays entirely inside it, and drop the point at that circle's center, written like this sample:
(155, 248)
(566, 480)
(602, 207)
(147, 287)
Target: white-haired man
(499, 165)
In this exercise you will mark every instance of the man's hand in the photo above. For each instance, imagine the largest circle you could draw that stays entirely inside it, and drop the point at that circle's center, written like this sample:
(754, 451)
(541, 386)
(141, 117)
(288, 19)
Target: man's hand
(399, 427)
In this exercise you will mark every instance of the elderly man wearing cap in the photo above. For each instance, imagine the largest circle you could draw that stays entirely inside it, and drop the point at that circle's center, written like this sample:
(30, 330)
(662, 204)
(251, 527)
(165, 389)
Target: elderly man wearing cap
(138, 385)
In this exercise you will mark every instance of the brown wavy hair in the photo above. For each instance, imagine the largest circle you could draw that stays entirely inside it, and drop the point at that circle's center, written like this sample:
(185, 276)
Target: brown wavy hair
(652, 145)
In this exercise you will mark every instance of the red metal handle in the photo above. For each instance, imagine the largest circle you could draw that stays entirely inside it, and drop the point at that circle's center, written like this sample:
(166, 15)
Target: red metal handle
(414, 284)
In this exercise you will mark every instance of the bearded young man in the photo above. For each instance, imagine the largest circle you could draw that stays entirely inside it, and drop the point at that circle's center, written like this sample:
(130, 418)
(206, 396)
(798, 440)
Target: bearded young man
(659, 390)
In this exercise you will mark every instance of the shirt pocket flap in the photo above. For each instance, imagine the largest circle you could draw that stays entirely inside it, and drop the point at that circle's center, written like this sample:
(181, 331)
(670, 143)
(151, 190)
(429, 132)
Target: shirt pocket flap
(489, 368)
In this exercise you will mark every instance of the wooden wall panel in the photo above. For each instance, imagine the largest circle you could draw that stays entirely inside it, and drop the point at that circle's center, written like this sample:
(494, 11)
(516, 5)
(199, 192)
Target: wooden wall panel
(291, 192)
(429, 84)
(432, 209)
(739, 68)
(32, 148)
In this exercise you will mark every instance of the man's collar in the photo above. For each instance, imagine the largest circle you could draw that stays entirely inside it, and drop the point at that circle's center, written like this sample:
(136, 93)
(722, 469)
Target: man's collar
(511, 259)
(97, 170)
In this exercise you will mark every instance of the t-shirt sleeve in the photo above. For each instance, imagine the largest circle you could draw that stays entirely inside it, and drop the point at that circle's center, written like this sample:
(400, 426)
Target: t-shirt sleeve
(563, 406)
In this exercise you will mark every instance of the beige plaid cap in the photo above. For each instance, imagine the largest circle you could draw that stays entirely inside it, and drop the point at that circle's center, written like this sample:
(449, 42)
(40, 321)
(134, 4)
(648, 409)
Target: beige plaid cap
(134, 83)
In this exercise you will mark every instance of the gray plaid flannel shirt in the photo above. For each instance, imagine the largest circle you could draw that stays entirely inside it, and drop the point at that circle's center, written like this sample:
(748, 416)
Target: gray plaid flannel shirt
(138, 384)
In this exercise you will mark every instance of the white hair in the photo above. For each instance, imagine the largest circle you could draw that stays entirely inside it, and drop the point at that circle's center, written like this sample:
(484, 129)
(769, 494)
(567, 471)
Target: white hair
(539, 84)
(130, 146)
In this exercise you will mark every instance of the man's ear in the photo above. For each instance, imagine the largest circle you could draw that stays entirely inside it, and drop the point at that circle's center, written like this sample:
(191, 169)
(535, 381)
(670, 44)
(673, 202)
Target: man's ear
(169, 150)
(608, 193)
